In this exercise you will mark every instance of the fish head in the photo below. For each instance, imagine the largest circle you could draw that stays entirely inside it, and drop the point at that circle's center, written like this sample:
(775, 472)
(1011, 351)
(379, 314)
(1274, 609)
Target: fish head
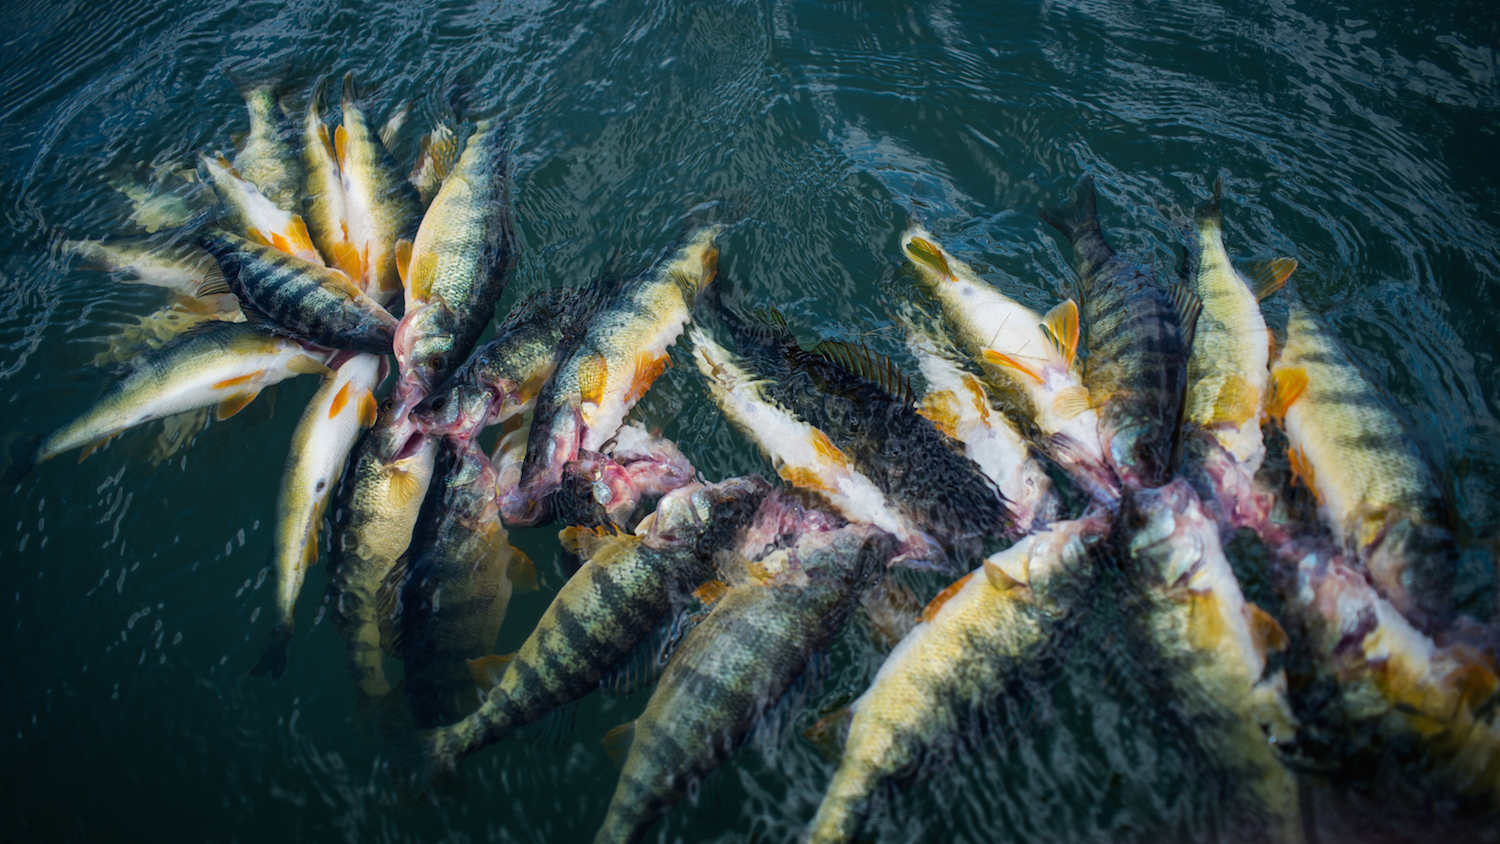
(602, 486)
(1167, 530)
(1141, 453)
(426, 344)
(462, 410)
(711, 515)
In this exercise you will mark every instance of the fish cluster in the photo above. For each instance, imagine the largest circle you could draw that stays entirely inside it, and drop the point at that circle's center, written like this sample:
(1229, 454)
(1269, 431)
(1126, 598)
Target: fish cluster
(1121, 432)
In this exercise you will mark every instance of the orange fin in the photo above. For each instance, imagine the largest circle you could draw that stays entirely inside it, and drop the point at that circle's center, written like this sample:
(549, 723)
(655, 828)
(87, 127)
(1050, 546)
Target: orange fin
(617, 743)
(96, 445)
(600, 546)
(828, 732)
(940, 408)
(1265, 630)
(593, 377)
(340, 399)
(647, 369)
(1003, 361)
(308, 365)
(236, 381)
(300, 239)
(804, 478)
(420, 277)
(346, 258)
(1302, 470)
(340, 146)
(926, 252)
(368, 409)
(522, 572)
(403, 261)
(709, 593)
(827, 451)
(486, 670)
(255, 235)
(1267, 277)
(234, 404)
(1071, 402)
(1287, 385)
(1061, 327)
(943, 597)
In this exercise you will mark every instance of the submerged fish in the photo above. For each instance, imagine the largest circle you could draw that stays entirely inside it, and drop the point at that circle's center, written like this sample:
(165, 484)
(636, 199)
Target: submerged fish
(339, 410)
(153, 207)
(619, 349)
(448, 593)
(380, 207)
(267, 159)
(459, 262)
(1215, 644)
(944, 676)
(177, 266)
(1139, 337)
(607, 611)
(217, 364)
(247, 213)
(323, 200)
(373, 513)
(736, 665)
(1373, 486)
(1029, 360)
(308, 301)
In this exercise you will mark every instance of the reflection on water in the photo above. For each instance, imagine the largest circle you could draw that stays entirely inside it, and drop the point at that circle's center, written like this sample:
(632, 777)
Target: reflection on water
(1359, 142)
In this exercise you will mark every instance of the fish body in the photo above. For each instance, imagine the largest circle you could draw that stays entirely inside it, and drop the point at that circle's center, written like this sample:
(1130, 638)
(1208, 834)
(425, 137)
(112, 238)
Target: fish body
(435, 160)
(995, 622)
(341, 408)
(306, 300)
(1197, 618)
(178, 267)
(736, 664)
(618, 350)
(248, 213)
(1374, 488)
(1031, 371)
(154, 208)
(323, 201)
(267, 158)
(380, 206)
(1139, 337)
(218, 364)
(373, 514)
(459, 262)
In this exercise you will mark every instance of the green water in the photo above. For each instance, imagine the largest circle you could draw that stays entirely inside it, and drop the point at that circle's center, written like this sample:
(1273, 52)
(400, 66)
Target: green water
(1363, 142)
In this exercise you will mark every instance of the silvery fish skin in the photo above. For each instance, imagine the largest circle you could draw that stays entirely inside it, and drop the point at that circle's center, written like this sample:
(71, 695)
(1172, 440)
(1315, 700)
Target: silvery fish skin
(380, 206)
(267, 159)
(627, 587)
(328, 429)
(248, 213)
(459, 262)
(218, 364)
(610, 361)
(1374, 488)
(991, 624)
(323, 200)
(1136, 372)
(448, 594)
(177, 266)
(307, 301)
(736, 664)
(373, 513)
(1198, 620)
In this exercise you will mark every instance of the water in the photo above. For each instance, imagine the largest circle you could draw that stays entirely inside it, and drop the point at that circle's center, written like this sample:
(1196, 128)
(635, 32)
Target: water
(1360, 142)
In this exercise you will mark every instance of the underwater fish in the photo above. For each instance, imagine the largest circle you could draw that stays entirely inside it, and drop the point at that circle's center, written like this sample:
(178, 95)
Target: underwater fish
(381, 208)
(247, 213)
(767, 631)
(1028, 359)
(372, 516)
(610, 613)
(619, 349)
(177, 266)
(268, 159)
(308, 301)
(1215, 644)
(323, 200)
(948, 671)
(1374, 488)
(457, 266)
(223, 365)
(1139, 337)
(155, 207)
(341, 408)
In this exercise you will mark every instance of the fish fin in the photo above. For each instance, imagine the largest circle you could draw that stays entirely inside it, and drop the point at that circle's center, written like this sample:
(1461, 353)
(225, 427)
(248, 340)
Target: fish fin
(339, 282)
(1187, 305)
(522, 572)
(340, 399)
(941, 409)
(403, 261)
(299, 239)
(552, 732)
(805, 478)
(1266, 277)
(18, 451)
(999, 578)
(341, 147)
(486, 670)
(1288, 383)
(924, 251)
(1077, 217)
(1004, 361)
(600, 546)
(942, 597)
(256, 236)
(404, 485)
(710, 592)
(1205, 625)
(1265, 630)
(869, 365)
(309, 365)
(826, 450)
(326, 141)
(1302, 470)
(892, 610)
(648, 368)
(1236, 402)
(827, 733)
(228, 167)
(273, 658)
(238, 380)
(254, 314)
(1209, 210)
(96, 445)
(1072, 401)
(422, 274)
(593, 377)
(1062, 329)
(234, 404)
(388, 607)
(214, 282)
(617, 743)
(645, 662)
(348, 260)
(368, 409)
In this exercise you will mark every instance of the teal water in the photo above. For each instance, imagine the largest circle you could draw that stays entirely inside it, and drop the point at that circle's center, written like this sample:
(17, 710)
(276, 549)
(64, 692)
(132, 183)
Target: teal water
(1360, 141)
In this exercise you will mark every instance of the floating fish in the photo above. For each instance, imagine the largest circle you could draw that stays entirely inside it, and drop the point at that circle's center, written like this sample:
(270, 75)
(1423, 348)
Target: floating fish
(267, 158)
(381, 208)
(155, 207)
(328, 429)
(177, 266)
(1139, 337)
(249, 214)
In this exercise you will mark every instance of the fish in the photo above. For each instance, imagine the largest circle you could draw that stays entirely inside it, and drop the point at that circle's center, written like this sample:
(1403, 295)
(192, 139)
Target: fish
(1215, 644)
(372, 515)
(218, 364)
(248, 213)
(323, 208)
(435, 160)
(341, 408)
(305, 300)
(603, 617)
(957, 402)
(618, 351)
(765, 633)
(448, 593)
(1139, 337)
(381, 208)
(802, 455)
(178, 266)
(1374, 487)
(155, 208)
(268, 159)
(974, 638)
(866, 407)
(457, 266)
(154, 330)
(1028, 360)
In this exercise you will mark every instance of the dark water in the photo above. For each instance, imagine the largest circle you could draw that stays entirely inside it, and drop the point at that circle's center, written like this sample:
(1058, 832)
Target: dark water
(1362, 142)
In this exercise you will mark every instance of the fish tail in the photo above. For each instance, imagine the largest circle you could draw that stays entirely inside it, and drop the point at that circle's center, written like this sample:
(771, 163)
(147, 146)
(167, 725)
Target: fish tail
(1209, 210)
(273, 658)
(424, 763)
(18, 453)
(1078, 218)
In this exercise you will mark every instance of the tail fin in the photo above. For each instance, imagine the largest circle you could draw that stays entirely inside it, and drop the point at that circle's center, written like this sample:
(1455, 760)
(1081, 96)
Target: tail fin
(17, 456)
(273, 659)
(1078, 217)
(1209, 210)
(424, 770)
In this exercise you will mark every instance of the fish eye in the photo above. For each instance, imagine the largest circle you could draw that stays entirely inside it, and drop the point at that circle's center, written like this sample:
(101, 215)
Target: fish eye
(437, 361)
(439, 403)
(388, 403)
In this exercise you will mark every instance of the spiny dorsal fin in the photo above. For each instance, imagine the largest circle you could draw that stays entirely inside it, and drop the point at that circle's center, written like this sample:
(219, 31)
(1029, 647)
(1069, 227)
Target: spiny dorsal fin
(1187, 306)
(1062, 330)
(617, 743)
(870, 365)
(214, 282)
(1266, 277)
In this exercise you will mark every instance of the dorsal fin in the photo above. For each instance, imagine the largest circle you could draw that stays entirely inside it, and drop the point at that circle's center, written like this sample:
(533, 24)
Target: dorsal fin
(617, 743)
(1266, 277)
(868, 364)
(1062, 330)
(1187, 306)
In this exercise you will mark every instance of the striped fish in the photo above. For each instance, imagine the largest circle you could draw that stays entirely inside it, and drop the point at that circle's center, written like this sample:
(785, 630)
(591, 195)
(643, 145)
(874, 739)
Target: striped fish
(323, 199)
(267, 159)
(381, 208)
